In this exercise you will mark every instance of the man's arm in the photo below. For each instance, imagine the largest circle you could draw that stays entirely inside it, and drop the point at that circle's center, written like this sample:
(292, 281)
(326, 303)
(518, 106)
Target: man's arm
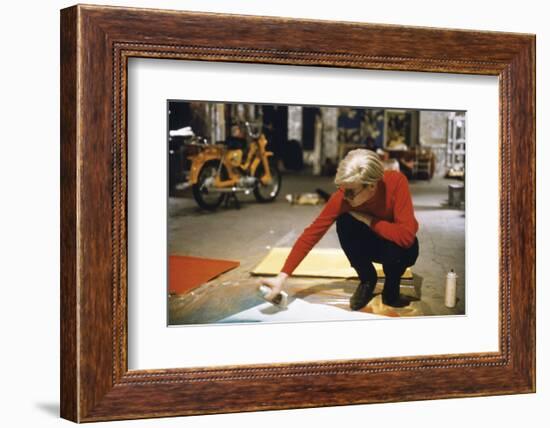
(402, 230)
(314, 232)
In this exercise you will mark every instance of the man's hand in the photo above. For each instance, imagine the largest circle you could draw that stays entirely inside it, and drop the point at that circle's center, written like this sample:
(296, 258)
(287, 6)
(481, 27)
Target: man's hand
(276, 284)
(365, 218)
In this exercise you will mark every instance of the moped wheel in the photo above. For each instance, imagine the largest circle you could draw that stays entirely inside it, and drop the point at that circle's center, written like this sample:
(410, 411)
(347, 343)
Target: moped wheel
(268, 192)
(204, 196)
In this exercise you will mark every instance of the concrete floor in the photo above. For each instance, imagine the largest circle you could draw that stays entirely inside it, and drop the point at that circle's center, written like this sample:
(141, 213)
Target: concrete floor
(247, 234)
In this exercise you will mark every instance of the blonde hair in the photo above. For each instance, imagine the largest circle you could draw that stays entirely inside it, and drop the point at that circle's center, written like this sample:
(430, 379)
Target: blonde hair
(359, 166)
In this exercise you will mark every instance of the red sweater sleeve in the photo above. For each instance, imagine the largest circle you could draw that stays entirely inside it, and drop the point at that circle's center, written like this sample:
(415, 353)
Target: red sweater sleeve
(315, 231)
(403, 229)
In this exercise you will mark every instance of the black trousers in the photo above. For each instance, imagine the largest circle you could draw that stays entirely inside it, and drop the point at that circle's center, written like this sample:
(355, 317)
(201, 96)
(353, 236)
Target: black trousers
(363, 247)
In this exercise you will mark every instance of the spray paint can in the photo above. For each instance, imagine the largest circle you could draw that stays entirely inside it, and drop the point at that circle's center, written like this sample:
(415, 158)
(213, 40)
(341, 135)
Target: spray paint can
(450, 289)
(280, 300)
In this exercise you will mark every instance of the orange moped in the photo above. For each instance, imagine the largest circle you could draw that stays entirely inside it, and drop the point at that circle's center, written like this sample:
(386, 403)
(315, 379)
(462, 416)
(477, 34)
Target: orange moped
(233, 166)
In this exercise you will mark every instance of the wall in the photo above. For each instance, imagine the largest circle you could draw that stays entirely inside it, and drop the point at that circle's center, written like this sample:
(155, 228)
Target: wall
(29, 168)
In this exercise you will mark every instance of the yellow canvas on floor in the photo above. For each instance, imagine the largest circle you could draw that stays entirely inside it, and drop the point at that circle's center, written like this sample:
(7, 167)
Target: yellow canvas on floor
(320, 262)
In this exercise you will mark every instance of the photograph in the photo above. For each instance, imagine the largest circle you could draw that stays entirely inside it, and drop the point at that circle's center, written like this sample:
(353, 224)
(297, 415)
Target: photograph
(309, 213)
(266, 210)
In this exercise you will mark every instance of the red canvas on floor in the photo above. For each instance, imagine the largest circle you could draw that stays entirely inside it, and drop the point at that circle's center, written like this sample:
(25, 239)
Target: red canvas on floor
(186, 272)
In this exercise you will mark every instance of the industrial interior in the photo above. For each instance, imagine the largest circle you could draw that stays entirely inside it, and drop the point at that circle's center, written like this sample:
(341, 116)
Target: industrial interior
(221, 243)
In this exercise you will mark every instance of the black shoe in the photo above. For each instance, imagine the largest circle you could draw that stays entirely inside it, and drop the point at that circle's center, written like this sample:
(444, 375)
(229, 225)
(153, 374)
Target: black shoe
(361, 297)
(396, 303)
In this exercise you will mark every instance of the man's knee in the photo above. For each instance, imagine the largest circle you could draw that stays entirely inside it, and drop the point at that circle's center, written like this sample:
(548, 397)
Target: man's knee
(393, 254)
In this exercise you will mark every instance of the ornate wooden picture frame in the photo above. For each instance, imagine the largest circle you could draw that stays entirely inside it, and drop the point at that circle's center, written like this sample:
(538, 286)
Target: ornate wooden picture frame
(96, 43)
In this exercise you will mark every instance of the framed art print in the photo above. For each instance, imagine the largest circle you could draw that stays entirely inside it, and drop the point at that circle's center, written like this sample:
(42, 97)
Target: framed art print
(202, 166)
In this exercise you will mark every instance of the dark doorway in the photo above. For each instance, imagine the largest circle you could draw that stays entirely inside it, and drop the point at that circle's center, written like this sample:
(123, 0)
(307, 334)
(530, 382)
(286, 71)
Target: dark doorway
(179, 114)
(275, 119)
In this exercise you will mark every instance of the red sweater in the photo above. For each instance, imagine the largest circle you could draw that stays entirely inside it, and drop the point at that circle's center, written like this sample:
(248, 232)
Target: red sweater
(391, 208)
